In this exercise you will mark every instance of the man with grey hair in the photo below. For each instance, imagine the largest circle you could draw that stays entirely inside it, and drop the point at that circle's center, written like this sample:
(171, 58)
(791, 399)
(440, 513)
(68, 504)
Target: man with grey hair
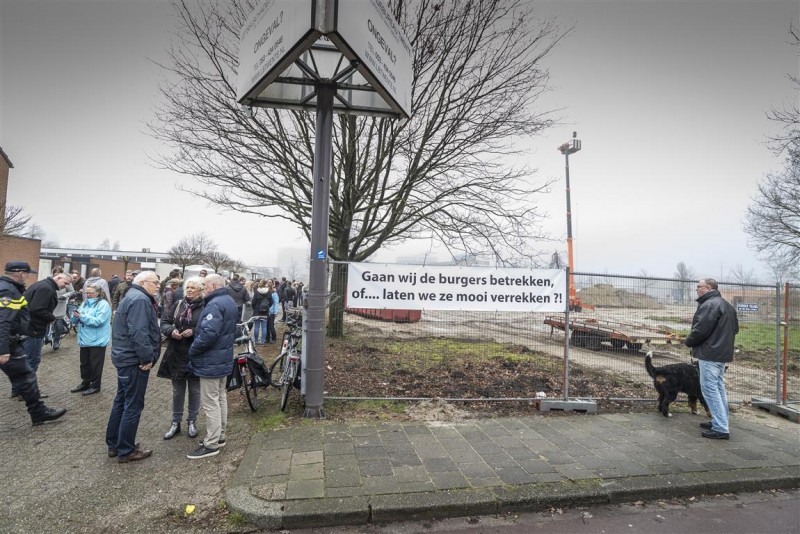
(42, 297)
(97, 278)
(714, 329)
(135, 347)
(211, 360)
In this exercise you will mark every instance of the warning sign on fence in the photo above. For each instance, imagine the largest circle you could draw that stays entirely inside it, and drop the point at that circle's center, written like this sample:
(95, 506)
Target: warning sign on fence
(418, 287)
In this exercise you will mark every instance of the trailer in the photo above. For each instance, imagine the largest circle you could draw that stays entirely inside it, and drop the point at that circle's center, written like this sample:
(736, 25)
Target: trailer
(598, 334)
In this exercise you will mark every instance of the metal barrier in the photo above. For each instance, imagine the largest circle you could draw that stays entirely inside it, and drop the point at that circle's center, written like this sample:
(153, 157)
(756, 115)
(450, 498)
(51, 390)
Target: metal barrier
(493, 356)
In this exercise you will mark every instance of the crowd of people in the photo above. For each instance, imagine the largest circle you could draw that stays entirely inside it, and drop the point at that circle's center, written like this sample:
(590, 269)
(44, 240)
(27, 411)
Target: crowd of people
(194, 319)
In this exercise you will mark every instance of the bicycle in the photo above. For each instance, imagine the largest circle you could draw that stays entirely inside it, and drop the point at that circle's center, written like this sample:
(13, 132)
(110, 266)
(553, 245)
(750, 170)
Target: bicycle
(284, 372)
(248, 362)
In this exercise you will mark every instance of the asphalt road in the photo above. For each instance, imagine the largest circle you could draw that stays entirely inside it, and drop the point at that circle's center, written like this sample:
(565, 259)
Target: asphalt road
(747, 513)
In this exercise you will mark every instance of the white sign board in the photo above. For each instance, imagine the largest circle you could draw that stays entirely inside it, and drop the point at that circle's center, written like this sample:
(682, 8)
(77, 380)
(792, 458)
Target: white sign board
(746, 307)
(419, 287)
(274, 30)
(371, 32)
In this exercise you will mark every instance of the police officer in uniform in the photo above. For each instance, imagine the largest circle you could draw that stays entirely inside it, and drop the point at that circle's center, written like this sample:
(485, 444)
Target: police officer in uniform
(13, 361)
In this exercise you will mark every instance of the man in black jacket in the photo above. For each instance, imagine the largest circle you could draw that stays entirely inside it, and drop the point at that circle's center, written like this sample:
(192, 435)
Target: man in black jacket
(14, 318)
(42, 298)
(714, 328)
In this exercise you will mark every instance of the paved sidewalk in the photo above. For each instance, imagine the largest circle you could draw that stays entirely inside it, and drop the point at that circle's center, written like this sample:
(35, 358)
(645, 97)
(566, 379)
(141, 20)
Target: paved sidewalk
(325, 474)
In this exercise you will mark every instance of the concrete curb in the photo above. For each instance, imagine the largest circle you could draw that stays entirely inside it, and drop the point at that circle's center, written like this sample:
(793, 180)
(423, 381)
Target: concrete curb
(309, 513)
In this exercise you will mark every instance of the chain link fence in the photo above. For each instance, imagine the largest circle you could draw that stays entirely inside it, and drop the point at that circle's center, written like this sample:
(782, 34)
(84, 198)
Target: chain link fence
(505, 355)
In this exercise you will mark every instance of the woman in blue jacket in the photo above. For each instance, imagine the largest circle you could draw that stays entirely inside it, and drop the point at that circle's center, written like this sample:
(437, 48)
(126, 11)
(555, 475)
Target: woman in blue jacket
(93, 321)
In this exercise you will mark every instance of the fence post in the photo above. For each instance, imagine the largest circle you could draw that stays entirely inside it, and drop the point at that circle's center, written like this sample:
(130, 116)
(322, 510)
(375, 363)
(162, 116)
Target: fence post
(566, 340)
(786, 316)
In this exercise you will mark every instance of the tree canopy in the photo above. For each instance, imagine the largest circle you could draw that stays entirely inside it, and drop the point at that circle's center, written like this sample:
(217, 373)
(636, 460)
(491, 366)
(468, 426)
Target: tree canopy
(444, 174)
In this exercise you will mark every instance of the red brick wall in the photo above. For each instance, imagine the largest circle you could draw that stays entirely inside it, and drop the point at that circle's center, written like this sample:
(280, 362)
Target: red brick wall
(20, 249)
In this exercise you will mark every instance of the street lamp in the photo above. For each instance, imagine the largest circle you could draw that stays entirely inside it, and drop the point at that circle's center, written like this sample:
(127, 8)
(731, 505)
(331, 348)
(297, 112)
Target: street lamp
(568, 148)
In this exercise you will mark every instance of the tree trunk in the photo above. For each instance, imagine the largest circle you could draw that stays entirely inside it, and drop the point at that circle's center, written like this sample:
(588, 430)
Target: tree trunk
(338, 286)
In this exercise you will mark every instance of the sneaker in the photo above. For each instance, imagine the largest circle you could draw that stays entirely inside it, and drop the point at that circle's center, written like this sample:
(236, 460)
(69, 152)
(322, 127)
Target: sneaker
(713, 434)
(202, 452)
(220, 443)
(706, 426)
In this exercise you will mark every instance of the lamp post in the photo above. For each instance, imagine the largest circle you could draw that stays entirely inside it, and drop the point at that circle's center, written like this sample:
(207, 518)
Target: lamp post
(568, 148)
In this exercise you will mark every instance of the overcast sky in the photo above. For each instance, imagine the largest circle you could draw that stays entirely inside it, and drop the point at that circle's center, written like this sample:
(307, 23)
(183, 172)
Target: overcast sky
(669, 99)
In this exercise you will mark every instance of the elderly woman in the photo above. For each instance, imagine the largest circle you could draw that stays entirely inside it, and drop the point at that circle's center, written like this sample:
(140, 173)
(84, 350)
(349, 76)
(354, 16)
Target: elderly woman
(177, 324)
(93, 321)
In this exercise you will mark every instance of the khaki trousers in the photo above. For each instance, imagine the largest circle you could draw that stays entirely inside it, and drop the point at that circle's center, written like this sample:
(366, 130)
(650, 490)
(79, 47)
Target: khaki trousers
(214, 400)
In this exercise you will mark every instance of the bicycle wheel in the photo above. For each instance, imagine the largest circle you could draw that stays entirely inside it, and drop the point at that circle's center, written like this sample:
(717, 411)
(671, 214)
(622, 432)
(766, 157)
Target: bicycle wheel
(276, 370)
(288, 383)
(250, 390)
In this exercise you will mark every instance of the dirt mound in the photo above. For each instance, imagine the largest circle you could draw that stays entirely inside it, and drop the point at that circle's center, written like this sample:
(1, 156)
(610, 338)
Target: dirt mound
(608, 296)
(436, 410)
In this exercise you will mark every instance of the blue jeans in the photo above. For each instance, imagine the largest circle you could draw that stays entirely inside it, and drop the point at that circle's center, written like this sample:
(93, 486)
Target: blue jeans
(260, 327)
(33, 348)
(127, 409)
(712, 384)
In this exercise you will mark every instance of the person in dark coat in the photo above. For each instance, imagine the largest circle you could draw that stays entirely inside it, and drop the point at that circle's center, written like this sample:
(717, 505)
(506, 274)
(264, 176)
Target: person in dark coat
(135, 348)
(42, 297)
(211, 359)
(714, 329)
(178, 325)
(14, 316)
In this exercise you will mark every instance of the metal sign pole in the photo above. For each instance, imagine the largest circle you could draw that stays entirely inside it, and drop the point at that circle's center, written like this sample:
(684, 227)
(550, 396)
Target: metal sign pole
(318, 268)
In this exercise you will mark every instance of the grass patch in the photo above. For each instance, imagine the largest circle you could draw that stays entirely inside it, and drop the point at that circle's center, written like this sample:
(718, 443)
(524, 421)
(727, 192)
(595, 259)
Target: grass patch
(270, 421)
(236, 519)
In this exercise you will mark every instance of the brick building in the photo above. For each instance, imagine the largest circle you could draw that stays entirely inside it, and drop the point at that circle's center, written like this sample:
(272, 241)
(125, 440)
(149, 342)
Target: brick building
(14, 248)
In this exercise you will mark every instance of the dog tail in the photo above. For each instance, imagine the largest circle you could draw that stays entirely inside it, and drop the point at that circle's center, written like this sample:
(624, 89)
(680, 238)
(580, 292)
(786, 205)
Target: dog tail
(648, 364)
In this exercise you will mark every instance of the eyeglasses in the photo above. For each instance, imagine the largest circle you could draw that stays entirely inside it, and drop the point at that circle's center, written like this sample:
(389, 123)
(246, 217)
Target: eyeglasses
(703, 287)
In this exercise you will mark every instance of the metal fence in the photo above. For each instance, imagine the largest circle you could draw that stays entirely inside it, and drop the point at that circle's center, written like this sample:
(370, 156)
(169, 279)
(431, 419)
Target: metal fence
(478, 355)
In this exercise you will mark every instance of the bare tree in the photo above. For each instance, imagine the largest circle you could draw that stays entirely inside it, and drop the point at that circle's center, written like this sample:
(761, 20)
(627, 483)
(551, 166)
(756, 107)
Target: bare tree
(647, 281)
(773, 218)
(219, 261)
(15, 222)
(105, 244)
(687, 276)
(443, 174)
(190, 250)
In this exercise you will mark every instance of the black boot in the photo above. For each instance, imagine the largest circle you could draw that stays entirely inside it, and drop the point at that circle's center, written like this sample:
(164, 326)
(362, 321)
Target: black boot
(192, 430)
(174, 429)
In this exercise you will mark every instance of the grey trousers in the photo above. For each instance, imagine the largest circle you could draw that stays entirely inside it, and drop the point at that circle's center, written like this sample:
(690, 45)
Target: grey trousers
(179, 388)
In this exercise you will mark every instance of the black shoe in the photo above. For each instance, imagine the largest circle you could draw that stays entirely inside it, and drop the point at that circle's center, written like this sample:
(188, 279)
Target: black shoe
(173, 430)
(202, 452)
(713, 434)
(91, 391)
(706, 426)
(50, 414)
(79, 388)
